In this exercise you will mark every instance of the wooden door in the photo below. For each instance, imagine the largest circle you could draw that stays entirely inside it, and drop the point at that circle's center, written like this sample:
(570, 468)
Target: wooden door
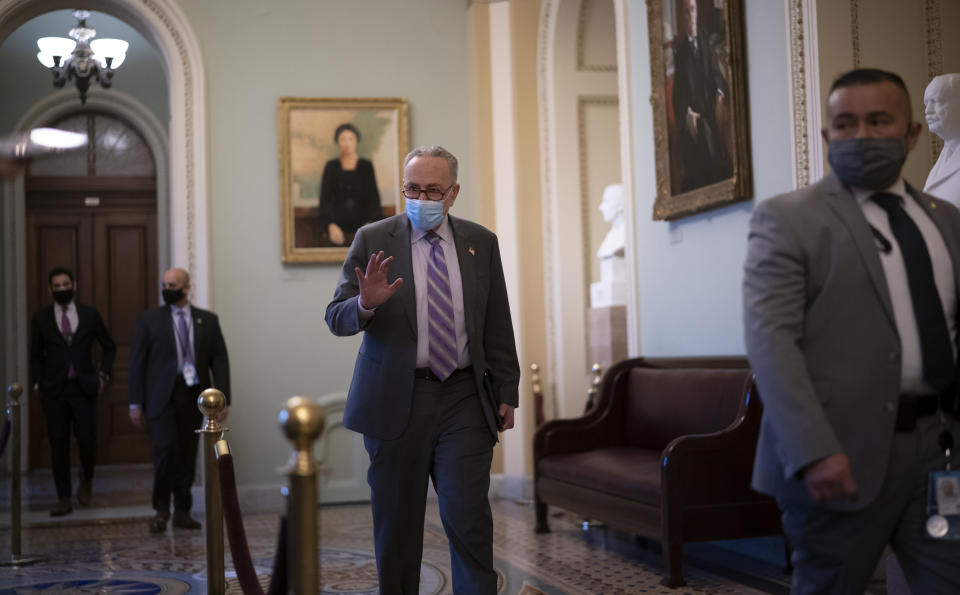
(125, 250)
(112, 249)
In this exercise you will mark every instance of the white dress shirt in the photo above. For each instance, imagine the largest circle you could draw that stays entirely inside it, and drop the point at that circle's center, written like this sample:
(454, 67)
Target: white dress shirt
(72, 316)
(911, 362)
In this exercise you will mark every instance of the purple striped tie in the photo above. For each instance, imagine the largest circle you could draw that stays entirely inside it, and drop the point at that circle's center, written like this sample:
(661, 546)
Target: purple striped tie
(443, 337)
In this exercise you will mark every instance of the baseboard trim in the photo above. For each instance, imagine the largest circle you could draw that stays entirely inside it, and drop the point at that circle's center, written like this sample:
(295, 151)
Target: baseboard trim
(255, 498)
(267, 497)
(518, 488)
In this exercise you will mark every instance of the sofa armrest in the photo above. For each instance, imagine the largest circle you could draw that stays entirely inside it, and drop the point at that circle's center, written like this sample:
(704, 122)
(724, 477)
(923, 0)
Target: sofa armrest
(597, 428)
(570, 435)
(714, 468)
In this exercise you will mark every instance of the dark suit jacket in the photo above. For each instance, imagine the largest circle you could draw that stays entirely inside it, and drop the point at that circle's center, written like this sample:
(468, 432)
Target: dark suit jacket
(696, 80)
(50, 355)
(153, 358)
(381, 392)
(822, 337)
(349, 199)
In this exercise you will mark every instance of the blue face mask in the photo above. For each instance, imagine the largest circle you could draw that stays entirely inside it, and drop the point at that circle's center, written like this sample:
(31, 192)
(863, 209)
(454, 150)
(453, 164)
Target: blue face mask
(424, 214)
(872, 163)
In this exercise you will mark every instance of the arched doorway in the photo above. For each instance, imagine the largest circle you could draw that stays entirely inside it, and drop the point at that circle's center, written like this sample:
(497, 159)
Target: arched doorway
(95, 212)
(164, 24)
(585, 134)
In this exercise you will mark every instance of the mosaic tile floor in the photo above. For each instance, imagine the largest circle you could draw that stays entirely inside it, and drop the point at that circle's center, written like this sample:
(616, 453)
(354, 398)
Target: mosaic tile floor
(107, 552)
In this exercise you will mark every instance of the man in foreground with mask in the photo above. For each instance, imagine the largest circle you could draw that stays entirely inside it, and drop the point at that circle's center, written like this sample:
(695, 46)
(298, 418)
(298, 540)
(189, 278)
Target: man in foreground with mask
(850, 314)
(178, 351)
(61, 365)
(436, 377)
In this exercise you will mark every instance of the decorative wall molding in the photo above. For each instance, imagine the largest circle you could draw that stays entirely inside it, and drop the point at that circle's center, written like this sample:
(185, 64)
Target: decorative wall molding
(805, 92)
(587, 203)
(799, 90)
(190, 232)
(545, 83)
(582, 65)
(933, 38)
(627, 166)
(855, 32)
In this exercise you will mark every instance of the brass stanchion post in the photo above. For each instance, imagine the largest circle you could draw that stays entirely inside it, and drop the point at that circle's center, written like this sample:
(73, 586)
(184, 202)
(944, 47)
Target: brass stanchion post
(302, 421)
(211, 404)
(16, 558)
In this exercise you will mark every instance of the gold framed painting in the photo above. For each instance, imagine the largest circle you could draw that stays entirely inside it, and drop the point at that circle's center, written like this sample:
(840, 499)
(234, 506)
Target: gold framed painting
(701, 133)
(340, 168)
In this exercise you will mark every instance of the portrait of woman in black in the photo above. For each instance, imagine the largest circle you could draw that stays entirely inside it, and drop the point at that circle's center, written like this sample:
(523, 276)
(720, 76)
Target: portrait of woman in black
(348, 191)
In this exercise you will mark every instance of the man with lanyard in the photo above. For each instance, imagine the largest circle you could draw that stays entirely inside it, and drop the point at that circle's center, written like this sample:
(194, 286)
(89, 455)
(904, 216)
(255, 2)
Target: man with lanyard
(178, 351)
(850, 313)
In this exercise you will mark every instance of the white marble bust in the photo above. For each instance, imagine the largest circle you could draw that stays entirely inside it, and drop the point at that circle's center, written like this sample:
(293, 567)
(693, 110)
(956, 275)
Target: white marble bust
(942, 101)
(611, 290)
(611, 205)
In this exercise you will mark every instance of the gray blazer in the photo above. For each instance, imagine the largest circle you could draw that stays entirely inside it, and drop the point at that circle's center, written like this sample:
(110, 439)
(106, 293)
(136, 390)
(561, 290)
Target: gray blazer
(821, 335)
(381, 392)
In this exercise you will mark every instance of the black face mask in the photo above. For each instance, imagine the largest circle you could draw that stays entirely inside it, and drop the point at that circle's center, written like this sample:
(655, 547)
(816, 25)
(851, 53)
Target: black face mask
(63, 296)
(172, 296)
(872, 163)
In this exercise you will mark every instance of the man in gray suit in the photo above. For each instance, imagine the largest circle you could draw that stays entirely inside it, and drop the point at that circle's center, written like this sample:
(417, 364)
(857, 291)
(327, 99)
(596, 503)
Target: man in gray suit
(850, 313)
(437, 373)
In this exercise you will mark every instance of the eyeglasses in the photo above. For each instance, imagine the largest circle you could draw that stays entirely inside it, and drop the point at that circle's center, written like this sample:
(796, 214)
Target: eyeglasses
(414, 191)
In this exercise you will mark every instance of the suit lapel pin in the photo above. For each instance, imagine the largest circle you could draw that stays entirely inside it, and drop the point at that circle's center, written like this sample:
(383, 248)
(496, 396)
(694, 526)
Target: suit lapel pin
(199, 320)
(933, 205)
(471, 251)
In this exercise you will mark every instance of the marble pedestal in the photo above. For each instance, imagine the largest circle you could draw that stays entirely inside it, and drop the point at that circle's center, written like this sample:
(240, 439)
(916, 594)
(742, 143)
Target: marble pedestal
(607, 332)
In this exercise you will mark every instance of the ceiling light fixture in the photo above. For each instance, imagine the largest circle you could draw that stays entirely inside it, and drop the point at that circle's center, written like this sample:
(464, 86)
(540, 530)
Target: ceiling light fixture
(82, 59)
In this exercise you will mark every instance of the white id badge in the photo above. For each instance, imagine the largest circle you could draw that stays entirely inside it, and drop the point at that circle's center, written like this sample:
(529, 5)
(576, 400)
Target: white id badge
(943, 505)
(189, 374)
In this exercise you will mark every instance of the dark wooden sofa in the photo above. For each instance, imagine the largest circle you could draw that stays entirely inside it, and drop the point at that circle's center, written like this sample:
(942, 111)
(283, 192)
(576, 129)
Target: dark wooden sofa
(667, 453)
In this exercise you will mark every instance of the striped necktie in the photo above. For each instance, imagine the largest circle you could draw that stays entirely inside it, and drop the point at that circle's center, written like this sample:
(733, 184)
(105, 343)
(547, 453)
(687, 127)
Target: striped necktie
(443, 356)
(183, 335)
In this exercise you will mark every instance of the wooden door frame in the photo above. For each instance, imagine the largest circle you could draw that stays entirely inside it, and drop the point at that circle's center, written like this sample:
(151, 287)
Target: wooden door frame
(55, 202)
(166, 26)
(56, 105)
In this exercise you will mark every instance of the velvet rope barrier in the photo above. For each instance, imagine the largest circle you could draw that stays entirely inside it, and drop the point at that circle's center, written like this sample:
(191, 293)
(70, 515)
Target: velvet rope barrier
(4, 436)
(239, 549)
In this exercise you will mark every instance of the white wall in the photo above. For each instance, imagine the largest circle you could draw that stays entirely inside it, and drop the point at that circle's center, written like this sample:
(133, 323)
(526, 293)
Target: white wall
(272, 314)
(690, 270)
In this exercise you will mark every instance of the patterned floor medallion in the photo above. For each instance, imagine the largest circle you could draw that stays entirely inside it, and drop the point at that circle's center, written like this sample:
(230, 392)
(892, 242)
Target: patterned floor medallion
(131, 585)
(355, 573)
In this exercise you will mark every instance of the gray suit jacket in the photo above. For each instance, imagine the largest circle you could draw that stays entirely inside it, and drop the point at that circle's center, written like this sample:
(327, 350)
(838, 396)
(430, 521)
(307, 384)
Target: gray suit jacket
(381, 392)
(821, 335)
